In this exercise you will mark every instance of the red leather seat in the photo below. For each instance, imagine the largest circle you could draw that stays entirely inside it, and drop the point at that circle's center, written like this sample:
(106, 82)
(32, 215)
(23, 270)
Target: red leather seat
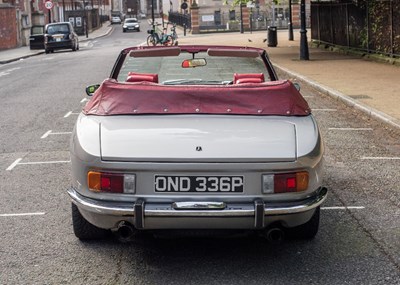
(239, 78)
(140, 77)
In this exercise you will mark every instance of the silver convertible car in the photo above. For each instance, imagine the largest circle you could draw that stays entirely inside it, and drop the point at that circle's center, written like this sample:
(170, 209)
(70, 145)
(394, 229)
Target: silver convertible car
(196, 138)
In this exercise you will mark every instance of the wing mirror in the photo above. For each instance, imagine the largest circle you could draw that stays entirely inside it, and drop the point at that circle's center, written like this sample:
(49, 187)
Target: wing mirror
(91, 89)
(297, 85)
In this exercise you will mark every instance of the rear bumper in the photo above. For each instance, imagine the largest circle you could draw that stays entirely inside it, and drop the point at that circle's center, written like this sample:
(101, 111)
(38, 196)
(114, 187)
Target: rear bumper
(257, 215)
(65, 44)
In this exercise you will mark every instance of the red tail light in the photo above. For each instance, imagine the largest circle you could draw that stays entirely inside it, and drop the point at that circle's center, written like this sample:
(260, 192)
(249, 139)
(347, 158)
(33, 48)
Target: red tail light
(111, 182)
(290, 182)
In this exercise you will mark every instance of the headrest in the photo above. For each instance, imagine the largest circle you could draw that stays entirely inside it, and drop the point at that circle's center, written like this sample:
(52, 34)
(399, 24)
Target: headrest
(139, 77)
(239, 78)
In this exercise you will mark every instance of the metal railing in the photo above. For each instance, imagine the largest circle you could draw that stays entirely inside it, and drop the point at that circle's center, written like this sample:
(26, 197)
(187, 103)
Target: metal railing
(372, 26)
(180, 19)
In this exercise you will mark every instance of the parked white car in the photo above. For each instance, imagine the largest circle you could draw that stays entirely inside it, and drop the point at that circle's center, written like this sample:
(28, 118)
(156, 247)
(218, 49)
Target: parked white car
(115, 20)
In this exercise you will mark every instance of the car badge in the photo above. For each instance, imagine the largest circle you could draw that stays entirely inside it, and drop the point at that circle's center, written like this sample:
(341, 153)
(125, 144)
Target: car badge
(199, 148)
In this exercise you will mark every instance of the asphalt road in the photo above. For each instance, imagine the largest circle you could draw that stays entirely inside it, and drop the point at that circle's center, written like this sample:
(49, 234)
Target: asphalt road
(359, 238)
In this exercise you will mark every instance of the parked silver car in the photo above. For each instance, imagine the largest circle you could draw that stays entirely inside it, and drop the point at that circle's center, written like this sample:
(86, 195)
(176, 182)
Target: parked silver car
(196, 137)
(115, 20)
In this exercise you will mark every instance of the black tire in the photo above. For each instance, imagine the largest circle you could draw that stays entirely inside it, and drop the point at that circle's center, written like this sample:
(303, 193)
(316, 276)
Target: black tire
(306, 231)
(123, 30)
(47, 51)
(83, 229)
(151, 41)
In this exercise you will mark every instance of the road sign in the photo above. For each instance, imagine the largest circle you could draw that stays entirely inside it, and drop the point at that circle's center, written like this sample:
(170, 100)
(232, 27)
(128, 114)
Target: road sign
(48, 5)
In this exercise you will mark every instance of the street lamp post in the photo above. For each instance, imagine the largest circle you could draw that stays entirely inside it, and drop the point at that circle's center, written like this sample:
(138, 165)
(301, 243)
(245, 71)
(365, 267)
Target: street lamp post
(304, 55)
(152, 15)
(290, 26)
(241, 18)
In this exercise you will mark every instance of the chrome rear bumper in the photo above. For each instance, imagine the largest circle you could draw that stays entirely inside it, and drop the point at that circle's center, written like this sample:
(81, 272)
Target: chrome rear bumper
(140, 211)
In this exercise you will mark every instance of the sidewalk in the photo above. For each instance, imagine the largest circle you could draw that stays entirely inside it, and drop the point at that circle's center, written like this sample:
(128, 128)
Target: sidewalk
(369, 86)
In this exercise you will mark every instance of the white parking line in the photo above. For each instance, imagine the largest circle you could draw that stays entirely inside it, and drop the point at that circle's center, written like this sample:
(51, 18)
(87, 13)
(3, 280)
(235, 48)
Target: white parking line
(23, 214)
(380, 158)
(46, 134)
(17, 162)
(344, 208)
(14, 164)
(350, 129)
(69, 114)
(51, 133)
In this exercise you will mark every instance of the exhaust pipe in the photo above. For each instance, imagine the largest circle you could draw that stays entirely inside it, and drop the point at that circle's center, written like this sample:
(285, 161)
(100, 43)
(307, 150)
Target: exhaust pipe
(275, 235)
(125, 231)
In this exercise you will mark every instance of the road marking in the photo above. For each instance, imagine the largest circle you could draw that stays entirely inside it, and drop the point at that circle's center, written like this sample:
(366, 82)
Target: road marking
(380, 158)
(84, 100)
(14, 164)
(344, 208)
(51, 133)
(8, 71)
(324, 110)
(350, 129)
(46, 134)
(17, 162)
(23, 214)
(69, 114)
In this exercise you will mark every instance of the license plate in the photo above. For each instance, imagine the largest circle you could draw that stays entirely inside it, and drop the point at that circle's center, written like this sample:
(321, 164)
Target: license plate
(199, 184)
(58, 40)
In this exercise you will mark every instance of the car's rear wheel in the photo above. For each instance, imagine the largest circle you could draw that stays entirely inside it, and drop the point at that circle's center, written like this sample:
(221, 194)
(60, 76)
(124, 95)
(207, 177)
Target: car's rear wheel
(83, 229)
(307, 230)
(47, 51)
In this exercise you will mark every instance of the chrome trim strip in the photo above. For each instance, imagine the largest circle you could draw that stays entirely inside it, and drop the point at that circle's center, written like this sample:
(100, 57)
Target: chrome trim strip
(203, 205)
(166, 210)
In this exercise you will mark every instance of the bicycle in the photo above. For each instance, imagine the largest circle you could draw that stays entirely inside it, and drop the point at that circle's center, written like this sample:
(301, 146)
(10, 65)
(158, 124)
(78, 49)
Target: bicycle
(155, 38)
(174, 35)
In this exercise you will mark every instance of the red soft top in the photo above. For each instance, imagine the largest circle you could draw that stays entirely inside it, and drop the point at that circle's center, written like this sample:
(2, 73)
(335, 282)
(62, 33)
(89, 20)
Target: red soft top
(126, 98)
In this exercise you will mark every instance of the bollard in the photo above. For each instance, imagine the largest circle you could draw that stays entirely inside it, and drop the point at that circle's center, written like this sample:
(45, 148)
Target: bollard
(184, 30)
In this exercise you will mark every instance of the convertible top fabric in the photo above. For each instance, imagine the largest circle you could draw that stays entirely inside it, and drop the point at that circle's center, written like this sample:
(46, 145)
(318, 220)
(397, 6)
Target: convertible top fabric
(138, 98)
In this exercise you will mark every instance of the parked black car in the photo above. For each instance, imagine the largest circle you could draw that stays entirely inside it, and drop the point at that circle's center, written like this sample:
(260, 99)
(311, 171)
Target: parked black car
(60, 36)
(36, 39)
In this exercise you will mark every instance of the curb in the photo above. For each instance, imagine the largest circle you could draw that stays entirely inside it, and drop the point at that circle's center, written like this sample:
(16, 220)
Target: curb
(341, 97)
(20, 57)
(111, 28)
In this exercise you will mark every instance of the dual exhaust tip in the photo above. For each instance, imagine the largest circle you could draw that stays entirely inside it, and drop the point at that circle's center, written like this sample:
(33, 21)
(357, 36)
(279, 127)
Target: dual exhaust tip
(126, 232)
